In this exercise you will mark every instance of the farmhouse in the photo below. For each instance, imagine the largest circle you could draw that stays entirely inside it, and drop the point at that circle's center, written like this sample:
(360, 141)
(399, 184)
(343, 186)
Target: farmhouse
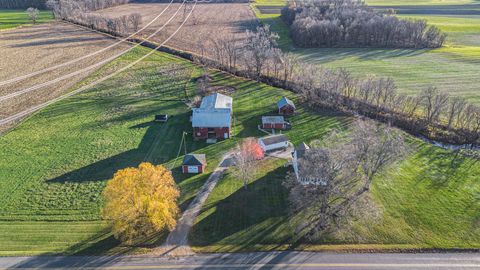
(286, 106)
(302, 176)
(273, 122)
(194, 163)
(273, 142)
(213, 120)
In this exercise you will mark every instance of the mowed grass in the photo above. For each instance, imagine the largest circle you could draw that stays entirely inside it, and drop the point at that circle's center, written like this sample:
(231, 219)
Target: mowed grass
(430, 200)
(14, 18)
(54, 165)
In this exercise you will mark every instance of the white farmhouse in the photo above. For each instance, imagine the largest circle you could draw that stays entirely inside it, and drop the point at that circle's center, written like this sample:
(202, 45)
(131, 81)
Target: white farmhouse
(273, 142)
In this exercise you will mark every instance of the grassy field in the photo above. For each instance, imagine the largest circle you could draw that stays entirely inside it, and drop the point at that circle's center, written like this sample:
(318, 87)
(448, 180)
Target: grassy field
(55, 164)
(453, 68)
(14, 18)
(429, 200)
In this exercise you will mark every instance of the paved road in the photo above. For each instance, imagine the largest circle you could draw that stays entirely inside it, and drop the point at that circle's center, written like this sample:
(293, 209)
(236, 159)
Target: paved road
(177, 242)
(265, 260)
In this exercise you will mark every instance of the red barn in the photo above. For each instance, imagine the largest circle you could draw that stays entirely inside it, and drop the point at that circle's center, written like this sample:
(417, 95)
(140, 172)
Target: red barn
(194, 163)
(273, 122)
(214, 117)
(286, 106)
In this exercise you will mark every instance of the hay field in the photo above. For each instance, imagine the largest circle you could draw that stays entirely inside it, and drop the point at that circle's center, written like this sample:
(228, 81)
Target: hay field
(206, 22)
(29, 49)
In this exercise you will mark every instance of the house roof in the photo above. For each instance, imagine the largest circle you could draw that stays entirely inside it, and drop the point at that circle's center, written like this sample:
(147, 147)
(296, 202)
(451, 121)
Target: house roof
(216, 101)
(273, 120)
(195, 159)
(211, 118)
(273, 139)
(285, 101)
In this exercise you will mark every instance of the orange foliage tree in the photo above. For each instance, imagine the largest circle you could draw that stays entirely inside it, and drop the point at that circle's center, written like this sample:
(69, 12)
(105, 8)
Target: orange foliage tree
(141, 201)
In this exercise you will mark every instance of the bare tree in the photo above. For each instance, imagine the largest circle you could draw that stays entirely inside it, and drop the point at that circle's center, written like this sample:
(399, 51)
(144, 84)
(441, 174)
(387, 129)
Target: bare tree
(345, 171)
(135, 20)
(434, 103)
(258, 48)
(33, 14)
(248, 152)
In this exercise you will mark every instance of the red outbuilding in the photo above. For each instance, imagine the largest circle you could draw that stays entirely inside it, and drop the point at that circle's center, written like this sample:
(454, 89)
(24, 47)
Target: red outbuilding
(194, 163)
(286, 106)
(273, 122)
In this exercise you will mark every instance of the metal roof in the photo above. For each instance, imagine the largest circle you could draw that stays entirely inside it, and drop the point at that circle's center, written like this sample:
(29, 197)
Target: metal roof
(194, 159)
(273, 139)
(211, 118)
(216, 101)
(273, 120)
(215, 111)
(285, 101)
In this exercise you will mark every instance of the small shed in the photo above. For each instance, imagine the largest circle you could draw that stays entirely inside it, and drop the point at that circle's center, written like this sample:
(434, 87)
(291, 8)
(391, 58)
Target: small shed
(273, 142)
(194, 163)
(273, 122)
(286, 106)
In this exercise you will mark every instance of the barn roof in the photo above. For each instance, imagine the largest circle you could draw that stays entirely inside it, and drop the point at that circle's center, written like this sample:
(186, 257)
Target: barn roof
(215, 111)
(273, 139)
(285, 101)
(273, 120)
(216, 101)
(211, 118)
(195, 159)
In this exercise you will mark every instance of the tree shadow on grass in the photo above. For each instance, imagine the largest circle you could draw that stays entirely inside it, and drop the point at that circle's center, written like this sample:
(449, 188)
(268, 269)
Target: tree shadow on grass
(445, 168)
(253, 216)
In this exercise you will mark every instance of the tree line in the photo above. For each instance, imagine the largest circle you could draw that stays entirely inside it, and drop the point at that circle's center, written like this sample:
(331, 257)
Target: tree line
(347, 23)
(23, 4)
(433, 114)
(77, 11)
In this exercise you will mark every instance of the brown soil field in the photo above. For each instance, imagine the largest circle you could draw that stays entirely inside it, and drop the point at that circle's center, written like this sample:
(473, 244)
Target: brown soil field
(208, 20)
(29, 49)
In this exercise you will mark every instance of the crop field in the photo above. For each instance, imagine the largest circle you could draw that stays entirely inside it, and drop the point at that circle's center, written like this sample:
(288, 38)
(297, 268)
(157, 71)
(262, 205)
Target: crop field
(14, 18)
(207, 21)
(453, 68)
(30, 49)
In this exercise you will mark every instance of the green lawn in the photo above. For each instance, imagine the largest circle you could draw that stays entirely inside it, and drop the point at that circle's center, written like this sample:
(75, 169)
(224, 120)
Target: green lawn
(14, 18)
(53, 166)
(429, 200)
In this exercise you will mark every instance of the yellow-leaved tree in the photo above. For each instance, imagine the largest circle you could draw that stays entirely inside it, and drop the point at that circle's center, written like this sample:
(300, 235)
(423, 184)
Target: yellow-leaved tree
(141, 201)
